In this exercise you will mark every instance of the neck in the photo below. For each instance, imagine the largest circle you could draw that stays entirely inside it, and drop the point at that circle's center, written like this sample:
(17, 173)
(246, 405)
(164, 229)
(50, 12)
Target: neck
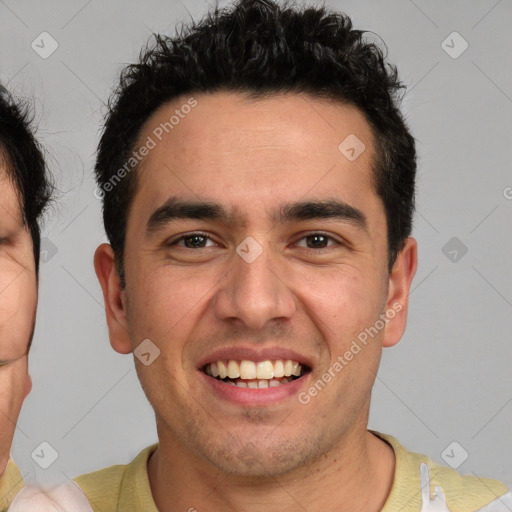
(357, 475)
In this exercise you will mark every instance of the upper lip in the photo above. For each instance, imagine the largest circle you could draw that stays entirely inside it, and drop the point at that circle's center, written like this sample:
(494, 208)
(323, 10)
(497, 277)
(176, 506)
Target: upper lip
(249, 353)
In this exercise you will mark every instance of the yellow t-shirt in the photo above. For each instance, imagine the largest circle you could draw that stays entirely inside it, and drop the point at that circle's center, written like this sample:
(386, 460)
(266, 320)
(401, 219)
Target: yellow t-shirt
(419, 485)
(11, 484)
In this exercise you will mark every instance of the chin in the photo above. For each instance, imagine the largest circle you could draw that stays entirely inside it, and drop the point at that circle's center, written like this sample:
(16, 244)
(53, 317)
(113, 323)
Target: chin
(255, 460)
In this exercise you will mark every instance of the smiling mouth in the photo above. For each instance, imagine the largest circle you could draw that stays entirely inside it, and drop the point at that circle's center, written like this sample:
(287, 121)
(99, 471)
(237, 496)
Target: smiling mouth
(256, 374)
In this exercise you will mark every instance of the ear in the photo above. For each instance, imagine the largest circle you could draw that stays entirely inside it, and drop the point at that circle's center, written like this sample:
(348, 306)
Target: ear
(115, 298)
(400, 281)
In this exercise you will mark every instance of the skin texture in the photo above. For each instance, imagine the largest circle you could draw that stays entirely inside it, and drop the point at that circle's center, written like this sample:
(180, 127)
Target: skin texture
(18, 302)
(251, 156)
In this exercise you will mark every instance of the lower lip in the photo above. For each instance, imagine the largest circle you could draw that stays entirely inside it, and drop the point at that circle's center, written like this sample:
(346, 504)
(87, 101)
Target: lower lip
(254, 397)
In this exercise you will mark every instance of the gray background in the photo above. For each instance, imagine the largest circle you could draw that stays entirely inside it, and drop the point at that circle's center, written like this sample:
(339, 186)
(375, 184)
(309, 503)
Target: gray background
(447, 380)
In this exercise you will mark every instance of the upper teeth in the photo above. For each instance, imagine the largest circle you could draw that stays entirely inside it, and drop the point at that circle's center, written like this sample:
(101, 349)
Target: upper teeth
(254, 370)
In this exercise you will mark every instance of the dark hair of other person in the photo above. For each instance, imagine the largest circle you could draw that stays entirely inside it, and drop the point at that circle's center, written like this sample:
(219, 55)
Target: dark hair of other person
(23, 160)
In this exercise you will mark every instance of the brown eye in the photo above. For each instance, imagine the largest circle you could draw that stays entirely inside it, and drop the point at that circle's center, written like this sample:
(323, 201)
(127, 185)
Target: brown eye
(318, 241)
(191, 241)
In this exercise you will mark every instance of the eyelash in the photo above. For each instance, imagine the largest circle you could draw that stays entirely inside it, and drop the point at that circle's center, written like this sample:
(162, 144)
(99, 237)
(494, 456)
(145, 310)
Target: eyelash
(205, 235)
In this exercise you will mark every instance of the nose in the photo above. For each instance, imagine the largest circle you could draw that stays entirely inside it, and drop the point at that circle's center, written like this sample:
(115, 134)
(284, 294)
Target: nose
(255, 292)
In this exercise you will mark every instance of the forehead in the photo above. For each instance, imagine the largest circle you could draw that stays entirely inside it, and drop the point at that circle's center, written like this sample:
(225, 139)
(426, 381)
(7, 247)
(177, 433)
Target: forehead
(250, 151)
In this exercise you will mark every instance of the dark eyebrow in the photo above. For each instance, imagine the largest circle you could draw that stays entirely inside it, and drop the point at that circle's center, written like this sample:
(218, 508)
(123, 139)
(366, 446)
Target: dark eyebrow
(175, 208)
(322, 209)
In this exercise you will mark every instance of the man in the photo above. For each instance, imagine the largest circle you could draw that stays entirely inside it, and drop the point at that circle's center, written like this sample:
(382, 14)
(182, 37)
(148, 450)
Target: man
(24, 194)
(258, 188)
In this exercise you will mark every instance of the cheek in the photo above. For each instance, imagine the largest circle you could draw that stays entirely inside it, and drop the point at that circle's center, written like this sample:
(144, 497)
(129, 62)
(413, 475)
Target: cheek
(167, 297)
(163, 306)
(18, 300)
(344, 299)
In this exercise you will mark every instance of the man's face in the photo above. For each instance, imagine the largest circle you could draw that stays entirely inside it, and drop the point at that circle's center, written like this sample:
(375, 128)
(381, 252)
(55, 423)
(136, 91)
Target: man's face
(318, 282)
(18, 300)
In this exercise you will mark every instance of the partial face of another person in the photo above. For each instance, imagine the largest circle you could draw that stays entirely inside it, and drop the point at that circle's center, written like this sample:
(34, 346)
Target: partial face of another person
(261, 276)
(18, 301)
